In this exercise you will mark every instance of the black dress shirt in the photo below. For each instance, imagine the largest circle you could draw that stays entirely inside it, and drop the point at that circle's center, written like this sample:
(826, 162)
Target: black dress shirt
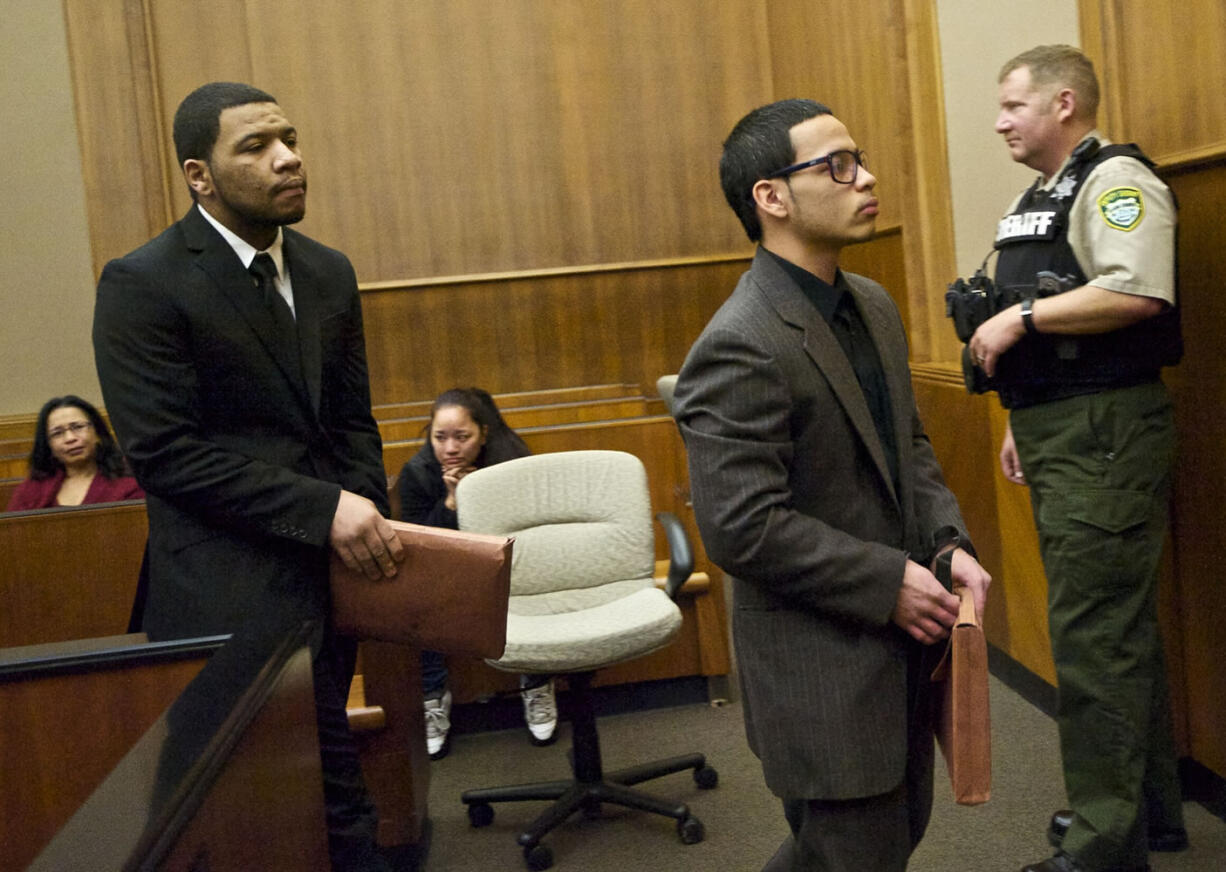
(839, 310)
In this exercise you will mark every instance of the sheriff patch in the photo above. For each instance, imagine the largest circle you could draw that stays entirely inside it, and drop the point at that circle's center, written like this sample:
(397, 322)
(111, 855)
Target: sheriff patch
(1122, 208)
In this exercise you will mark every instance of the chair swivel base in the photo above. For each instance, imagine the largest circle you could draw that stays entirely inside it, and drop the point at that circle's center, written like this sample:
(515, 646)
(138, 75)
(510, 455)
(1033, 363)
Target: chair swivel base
(590, 786)
(573, 796)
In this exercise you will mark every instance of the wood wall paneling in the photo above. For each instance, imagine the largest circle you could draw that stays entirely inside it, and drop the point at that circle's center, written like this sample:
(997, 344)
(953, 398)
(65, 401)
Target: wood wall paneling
(621, 326)
(114, 83)
(1199, 389)
(1162, 74)
(1162, 82)
(468, 137)
(928, 205)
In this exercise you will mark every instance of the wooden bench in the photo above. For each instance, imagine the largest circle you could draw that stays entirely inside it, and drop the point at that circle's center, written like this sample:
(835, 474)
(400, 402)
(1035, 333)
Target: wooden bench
(7, 486)
(400, 429)
(69, 573)
(517, 399)
(40, 613)
(14, 466)
(404, 421)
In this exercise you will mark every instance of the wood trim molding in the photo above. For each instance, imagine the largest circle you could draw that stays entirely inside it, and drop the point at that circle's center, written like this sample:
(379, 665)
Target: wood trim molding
(942, 373)
(1090, 25)
(892, 229)
(931, 245)
(159, 163)
(127, 172)
(555, 272)
(1192, 159)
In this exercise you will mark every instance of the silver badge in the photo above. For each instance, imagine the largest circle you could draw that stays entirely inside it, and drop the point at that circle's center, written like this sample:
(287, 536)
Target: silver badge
(1064, 188)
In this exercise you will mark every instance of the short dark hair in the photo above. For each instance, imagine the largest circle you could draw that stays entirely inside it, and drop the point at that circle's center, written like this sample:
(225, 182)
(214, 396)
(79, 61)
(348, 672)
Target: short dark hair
(198, 118)
(108, 456)
(501, 442)
(758, 145)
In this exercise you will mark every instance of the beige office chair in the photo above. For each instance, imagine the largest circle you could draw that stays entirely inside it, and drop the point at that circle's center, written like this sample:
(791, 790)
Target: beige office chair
(582, 597)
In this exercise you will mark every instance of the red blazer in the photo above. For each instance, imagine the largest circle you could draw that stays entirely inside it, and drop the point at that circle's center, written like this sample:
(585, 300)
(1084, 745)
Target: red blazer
(39, 493)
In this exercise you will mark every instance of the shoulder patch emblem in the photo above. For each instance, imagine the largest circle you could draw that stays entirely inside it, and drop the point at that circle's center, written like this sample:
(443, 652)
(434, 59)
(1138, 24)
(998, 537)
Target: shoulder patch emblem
(1122, 208)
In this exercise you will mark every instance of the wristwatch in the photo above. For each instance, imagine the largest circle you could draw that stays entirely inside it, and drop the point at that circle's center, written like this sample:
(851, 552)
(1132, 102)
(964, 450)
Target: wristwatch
(1028, 315)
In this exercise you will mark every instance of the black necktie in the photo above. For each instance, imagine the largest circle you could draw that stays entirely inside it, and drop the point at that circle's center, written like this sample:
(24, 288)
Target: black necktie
(852, 334)
(264, 271)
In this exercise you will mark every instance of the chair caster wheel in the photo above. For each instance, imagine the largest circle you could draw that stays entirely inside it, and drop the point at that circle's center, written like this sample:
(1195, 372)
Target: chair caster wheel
(690, 830)
(538, 857)
(706, 778)
(480, 814)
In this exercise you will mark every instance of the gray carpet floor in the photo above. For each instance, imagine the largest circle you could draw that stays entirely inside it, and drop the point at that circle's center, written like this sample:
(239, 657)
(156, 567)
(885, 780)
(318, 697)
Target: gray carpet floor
(743, 820)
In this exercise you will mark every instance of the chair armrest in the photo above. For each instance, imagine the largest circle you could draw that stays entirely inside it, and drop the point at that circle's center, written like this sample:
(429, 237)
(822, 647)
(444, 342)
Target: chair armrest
(680, 554)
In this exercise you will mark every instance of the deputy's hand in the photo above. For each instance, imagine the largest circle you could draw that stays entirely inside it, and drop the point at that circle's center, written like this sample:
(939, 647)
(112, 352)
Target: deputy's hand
(995, 336)
(925, 609)
(1010, 463)
(363, 538)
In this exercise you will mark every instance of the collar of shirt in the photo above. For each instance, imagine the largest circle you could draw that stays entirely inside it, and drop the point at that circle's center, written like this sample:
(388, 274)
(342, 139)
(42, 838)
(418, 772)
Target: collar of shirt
(246, 254)
(823, 296)
(1048, 184)
(246, 251)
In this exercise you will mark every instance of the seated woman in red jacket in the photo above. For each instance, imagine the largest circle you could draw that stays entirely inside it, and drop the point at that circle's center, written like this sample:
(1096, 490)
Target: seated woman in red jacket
(75, 460)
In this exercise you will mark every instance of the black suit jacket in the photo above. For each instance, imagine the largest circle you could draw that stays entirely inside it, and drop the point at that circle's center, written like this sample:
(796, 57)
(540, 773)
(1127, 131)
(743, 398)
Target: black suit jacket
(242, 461)
(794, 499)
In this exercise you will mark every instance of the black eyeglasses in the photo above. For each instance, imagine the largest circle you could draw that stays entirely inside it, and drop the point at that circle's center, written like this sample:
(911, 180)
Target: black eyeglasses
(843, 165)
(75, 428)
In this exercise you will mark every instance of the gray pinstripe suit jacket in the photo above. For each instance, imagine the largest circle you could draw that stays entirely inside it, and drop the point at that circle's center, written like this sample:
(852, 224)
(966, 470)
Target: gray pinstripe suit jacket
(794, 500)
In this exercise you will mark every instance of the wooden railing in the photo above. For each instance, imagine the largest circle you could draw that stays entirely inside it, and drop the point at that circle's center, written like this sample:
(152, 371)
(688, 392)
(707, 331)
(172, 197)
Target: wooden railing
(69, 713)
(71, 574)
(227, 777)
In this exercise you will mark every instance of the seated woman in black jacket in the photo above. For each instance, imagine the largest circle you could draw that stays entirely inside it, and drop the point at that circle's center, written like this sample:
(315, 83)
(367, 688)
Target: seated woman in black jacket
(466, 432)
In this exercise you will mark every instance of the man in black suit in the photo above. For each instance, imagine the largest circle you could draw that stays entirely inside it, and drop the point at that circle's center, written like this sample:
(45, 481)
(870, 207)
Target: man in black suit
(242, 401)
(816, 489)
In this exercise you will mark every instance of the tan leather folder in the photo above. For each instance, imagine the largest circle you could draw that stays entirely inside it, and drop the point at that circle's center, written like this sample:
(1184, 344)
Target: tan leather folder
(449, 595)
(964, 729)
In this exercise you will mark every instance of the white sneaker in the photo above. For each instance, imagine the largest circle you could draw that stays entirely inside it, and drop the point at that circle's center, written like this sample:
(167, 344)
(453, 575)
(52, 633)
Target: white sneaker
(438, 725)
(541, 713)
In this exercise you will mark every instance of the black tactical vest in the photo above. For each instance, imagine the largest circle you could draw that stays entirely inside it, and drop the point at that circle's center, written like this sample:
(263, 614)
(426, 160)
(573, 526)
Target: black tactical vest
(1034, 238)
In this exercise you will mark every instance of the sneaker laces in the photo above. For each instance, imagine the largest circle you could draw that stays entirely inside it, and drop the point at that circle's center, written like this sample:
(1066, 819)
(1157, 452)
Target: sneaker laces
(540, 704)
(437, 720)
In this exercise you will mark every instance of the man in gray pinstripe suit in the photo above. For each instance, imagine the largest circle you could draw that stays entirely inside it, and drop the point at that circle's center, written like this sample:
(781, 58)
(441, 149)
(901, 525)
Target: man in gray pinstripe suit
(816, 489)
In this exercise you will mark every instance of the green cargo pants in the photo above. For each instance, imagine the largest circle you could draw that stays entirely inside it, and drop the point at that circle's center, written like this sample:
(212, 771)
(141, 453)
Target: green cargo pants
(1098, 467)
